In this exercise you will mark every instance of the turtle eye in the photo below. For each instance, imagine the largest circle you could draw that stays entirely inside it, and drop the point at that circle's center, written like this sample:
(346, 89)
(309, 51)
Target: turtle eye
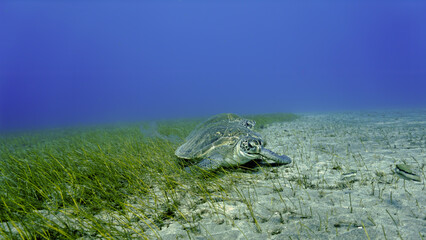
(252, 144)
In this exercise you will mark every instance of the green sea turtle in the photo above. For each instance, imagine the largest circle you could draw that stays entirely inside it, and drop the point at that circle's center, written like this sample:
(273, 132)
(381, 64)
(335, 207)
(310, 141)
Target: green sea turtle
(226, 140)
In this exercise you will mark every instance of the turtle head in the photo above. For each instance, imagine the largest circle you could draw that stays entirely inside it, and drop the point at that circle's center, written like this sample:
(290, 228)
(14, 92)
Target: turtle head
(250, 147)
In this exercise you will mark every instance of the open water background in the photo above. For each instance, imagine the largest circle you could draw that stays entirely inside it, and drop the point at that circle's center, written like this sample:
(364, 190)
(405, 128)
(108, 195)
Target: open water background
(66, 63)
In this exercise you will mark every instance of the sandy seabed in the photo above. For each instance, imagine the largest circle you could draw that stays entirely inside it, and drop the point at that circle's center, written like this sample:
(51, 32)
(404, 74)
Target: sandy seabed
(341, 185)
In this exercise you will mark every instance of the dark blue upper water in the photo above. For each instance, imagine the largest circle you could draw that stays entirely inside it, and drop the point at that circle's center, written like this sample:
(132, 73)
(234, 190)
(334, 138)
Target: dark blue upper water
(73, 62)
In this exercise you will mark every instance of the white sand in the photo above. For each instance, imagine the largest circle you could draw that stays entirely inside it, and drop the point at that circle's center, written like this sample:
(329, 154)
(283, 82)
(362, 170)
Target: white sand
(341, 184)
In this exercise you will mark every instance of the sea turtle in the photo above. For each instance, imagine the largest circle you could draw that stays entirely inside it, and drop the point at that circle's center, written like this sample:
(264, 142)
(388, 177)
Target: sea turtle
(226, 140)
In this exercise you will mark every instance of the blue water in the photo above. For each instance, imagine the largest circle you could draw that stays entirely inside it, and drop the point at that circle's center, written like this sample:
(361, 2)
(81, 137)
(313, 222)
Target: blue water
(76, 62)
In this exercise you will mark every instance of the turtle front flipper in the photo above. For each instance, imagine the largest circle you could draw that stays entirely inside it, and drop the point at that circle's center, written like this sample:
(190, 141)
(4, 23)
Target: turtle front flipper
(269, 155)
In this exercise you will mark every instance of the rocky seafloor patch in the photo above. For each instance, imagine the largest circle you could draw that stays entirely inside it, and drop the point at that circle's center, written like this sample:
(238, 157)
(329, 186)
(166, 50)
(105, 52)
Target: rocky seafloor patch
(342, 183)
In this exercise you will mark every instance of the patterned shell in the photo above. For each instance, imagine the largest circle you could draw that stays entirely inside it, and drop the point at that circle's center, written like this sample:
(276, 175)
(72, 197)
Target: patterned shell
(207, 137)
(219, 119)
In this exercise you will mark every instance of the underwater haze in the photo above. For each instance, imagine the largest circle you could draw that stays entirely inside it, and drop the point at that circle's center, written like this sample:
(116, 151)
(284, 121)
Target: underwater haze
(82, 62)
